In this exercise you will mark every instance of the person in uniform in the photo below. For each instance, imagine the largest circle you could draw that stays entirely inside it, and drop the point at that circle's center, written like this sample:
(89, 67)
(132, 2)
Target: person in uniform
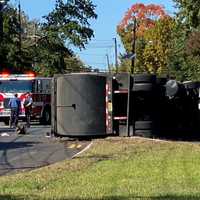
(28, 108)
(15, 105)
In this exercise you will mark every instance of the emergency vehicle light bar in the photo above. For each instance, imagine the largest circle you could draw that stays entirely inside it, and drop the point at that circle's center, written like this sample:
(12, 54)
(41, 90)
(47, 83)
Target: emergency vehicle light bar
(6, 75)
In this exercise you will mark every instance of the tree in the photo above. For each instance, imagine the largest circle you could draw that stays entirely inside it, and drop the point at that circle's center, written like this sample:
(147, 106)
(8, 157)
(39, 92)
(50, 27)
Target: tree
(193, 44)
(15, 54)
(145, 15)
(158, 47)
(152, 36)
(46, 47)
(66, 26)
(184, 63)
(191, 66)
(69, 21)
(9, 40)
(189, 12)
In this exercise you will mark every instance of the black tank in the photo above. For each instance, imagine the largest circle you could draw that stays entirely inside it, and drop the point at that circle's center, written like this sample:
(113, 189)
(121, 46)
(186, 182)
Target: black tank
(78, 104)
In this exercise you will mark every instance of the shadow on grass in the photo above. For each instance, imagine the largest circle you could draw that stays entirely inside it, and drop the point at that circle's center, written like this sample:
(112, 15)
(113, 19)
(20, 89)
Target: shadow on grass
(97, 157)
(164, 197)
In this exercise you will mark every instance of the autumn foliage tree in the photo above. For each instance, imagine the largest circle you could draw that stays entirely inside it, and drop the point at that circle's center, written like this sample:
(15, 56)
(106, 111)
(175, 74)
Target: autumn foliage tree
(153, 29)
(158, 46)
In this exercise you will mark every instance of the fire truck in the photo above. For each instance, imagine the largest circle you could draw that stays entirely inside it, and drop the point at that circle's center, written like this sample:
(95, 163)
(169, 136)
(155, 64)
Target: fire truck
(20, 84)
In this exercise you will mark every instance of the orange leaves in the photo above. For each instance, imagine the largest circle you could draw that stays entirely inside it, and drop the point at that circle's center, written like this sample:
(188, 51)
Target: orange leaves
(153, 36)
(146, 15)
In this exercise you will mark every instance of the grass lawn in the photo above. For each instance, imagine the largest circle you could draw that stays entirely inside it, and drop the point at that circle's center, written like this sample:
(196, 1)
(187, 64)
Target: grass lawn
(115, 169)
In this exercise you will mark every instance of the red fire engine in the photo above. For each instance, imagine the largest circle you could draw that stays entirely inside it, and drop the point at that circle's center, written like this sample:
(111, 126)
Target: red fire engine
(40, 88)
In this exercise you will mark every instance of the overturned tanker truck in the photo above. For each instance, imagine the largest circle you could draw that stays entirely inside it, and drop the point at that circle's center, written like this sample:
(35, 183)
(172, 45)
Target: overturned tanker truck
(102, 104)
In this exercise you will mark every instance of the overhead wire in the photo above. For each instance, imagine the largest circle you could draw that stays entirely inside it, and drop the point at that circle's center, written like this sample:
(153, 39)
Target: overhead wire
(106, 47)
(90, 54)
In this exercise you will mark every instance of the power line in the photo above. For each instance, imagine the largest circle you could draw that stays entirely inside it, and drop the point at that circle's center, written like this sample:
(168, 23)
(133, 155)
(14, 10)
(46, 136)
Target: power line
(108, 49)
(97, 63)
(100, 44)
(100, 40)
(88, 54)
(100, 47)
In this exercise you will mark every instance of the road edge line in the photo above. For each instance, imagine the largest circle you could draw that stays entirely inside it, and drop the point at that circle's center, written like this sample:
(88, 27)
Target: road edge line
(83, 150)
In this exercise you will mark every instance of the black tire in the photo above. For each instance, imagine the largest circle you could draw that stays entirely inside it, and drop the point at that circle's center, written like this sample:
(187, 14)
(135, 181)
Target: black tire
(46, 117)
(7, 122)
(144, 133)
(191, 85)
(144, 78)
(161, 80)
(143, 87)
(143, 125)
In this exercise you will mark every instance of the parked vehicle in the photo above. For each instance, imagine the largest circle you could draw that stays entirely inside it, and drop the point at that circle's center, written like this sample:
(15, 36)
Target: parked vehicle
(40, 88)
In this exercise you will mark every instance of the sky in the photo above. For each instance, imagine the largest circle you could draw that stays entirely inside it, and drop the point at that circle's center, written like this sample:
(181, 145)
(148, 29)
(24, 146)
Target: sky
(101, 48)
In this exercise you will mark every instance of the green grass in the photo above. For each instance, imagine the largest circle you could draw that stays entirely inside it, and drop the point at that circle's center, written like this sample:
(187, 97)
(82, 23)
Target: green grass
(115, 169)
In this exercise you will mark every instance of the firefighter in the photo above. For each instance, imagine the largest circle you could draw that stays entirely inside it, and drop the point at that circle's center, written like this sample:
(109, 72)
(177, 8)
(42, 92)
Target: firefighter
(28, 108)
(15, 105)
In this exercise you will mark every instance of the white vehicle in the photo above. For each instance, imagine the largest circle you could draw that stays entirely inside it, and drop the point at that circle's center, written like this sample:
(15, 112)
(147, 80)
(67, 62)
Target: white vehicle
(40, 88)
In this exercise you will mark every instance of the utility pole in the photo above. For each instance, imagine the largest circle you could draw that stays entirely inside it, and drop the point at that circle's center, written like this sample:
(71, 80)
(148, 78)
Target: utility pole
(116, 59)
(35, 33)
(20, 25)
(1, 18)
(133, 46)
(108, 63)
(131, 98)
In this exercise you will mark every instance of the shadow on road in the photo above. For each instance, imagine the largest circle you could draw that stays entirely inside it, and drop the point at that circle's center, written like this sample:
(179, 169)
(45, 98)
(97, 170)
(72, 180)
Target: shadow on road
(32, 150)
(6, 129)
(15, 145)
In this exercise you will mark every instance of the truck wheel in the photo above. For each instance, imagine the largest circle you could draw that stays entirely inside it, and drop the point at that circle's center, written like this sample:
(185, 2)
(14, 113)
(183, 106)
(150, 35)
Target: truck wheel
(144, 78)
(144, 133)
(143, 125)
(191, 85)
(46, 117)
(146, 87)
(7, 122)
(144, 128)
(161, 80)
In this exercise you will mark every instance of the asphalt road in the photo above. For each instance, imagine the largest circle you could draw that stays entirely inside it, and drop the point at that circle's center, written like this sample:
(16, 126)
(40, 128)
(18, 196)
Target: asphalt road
(34, 150)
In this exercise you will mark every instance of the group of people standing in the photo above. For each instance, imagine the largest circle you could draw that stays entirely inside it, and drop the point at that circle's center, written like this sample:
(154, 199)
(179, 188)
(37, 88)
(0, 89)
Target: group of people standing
(15, 106)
